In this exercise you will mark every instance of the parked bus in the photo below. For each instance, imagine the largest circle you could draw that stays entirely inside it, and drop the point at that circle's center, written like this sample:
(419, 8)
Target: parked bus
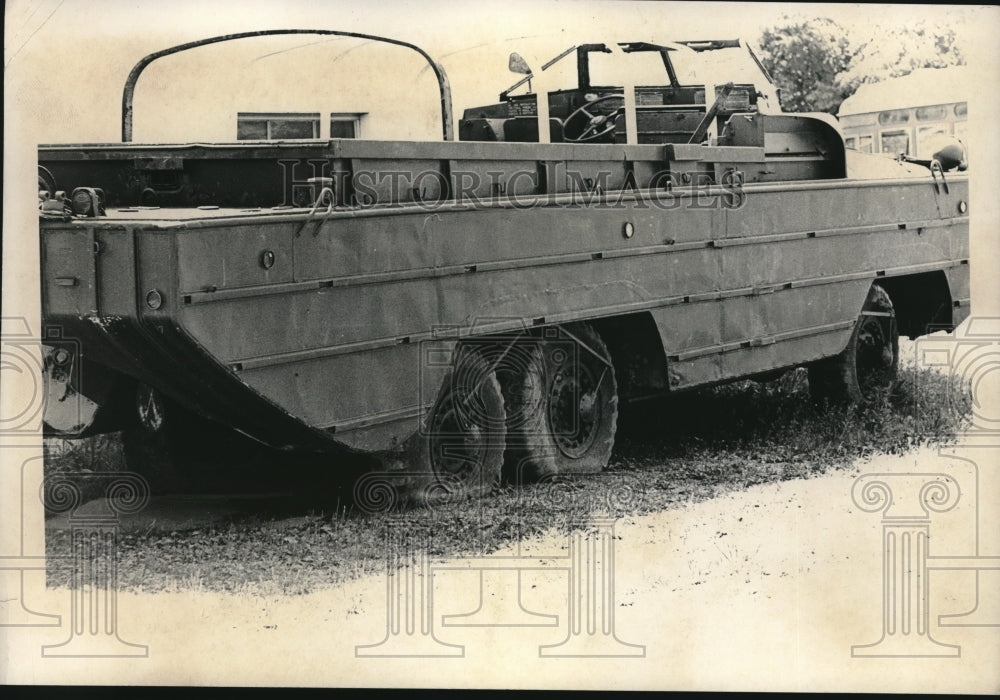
(903, 115)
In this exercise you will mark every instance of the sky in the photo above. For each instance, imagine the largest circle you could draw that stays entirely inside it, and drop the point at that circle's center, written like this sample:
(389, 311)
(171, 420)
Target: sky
(75, 55)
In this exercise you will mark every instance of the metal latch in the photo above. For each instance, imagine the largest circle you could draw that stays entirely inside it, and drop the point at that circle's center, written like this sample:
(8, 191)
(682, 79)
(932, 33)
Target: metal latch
(55, 206)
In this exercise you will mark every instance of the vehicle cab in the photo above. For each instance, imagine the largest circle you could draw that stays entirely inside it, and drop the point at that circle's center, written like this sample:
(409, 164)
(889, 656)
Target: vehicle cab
(635, 92)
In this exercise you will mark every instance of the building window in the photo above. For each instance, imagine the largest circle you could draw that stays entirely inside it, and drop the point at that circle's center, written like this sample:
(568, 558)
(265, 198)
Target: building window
(345, 125)
(263, 126)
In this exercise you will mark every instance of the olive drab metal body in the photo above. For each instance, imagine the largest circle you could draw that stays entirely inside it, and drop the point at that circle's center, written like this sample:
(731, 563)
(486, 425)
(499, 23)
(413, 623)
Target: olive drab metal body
(320, 295)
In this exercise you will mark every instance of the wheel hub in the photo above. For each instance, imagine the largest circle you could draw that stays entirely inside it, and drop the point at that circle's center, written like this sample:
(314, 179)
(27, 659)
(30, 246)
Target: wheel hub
(149, 407)
(574, 412)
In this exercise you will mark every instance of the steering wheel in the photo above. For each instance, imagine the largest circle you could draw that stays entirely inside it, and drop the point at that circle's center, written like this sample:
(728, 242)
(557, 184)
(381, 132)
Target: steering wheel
(598, 125)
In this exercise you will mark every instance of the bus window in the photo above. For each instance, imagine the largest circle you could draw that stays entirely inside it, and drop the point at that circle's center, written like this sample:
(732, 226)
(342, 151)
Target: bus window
(925, 133)
(937, 113)
(895, 142)
(861, 143)
(895, 116)
(962, 134)
(961, 110)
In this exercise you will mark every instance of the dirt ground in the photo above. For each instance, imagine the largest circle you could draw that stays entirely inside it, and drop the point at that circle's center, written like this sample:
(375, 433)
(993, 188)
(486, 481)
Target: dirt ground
(763, 588)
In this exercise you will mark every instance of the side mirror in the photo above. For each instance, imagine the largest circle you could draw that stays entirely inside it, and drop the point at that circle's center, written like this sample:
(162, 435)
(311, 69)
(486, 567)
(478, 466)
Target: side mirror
(949, 154)
(517, 64)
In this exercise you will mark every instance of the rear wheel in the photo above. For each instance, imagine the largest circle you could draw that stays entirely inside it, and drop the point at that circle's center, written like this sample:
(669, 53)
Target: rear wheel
(461, 449)
(866, 369)
(562, 405)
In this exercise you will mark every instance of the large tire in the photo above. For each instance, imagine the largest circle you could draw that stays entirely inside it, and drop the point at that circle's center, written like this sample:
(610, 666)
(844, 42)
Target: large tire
(562, 405)
(866, 369)
(177, 451)
(460, 451)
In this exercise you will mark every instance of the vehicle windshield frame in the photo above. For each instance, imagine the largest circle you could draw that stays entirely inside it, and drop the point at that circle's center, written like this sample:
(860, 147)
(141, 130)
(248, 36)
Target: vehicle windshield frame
(582, 51)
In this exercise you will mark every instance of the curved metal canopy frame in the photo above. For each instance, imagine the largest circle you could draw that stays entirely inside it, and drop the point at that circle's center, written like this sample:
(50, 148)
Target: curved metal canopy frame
(133, 77)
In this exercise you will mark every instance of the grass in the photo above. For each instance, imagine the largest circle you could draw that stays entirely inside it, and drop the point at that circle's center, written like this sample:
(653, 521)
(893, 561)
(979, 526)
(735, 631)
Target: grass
(100, 453)
(670, 452)
(77, 461)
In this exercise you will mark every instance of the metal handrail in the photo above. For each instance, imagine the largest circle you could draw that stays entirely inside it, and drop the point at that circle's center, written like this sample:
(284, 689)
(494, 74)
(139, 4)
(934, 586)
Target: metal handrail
(447, 121)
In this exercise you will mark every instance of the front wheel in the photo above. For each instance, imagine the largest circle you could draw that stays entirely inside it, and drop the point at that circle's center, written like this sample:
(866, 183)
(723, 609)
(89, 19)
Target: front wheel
(866, 369)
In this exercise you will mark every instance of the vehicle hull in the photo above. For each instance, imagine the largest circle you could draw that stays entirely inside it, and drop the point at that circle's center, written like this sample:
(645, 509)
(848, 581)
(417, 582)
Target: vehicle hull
(332, 326)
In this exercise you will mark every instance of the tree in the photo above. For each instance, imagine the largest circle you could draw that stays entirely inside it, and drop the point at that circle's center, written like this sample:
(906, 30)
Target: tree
(805, 58)
(818, 64)
(896, 51)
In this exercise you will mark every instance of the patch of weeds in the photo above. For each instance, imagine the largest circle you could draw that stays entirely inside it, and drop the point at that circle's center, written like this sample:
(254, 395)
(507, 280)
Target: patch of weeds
(679, 450)
(77, 460)
(778, 423)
